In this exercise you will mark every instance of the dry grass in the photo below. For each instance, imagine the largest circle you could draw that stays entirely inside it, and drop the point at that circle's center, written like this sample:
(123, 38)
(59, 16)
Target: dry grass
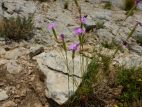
(17, 29)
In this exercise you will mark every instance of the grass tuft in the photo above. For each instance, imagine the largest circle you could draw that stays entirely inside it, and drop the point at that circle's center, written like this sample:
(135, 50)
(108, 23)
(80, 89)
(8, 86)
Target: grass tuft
(85, 91)
(17, 29)
(131, 80)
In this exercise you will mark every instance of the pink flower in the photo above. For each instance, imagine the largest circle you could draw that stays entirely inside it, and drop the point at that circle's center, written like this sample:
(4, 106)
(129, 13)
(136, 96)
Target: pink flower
(73, 47)
(52, 26)
(137, 1)
(78, 31)
(62, 36)
(83, 19)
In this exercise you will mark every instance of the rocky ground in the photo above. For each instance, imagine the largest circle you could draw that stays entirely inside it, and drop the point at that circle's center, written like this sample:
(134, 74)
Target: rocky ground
(32, 72)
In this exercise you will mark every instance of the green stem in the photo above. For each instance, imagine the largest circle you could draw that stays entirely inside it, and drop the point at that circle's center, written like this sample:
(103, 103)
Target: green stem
(79, 10)
(132, 31)
(130, 35)
(73, 75)
(54, 32)
(129, 13)
(68, 73)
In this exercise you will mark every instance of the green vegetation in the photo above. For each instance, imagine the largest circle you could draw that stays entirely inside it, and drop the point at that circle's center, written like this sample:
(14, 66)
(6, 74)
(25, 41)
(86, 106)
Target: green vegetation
(84, 93)
(100, 25)
(129, 4)
(111, 45)
(131, 80)
(17, 28)
(139, 40)
(108, 5)
(100, 69)
(102, 77)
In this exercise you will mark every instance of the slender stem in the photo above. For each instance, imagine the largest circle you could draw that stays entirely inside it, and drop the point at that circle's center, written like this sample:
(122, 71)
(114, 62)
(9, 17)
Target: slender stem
(54, 32)
(130, 35)
(68, 73)
(117, 49)
(129, 13)
(73, 75)
(132, 31)
(79, 11)
(80, 16)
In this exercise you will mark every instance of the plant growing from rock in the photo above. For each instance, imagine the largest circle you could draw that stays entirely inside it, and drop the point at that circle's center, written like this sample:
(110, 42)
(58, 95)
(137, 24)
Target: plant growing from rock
(79, 10)
(110, 45)
(106, 63)
(131, 80)
(132, 31)
(66, 4)
(130, 6)
(80, 34)
(100, 66)
(128, 37)
(52, 27)
(85, 89)
(73, 47)
(108, 5)
(17, 29)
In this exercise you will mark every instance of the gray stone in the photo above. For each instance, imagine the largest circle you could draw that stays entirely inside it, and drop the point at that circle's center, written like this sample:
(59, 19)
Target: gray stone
(138, 36)
(15, 53)
(13, 8)
(52, 64)
(13, 67)
(2, 51)
(131, 60)
(35, 51)
(3, 95)
(3, 61)
(9, 104)
(104, 35)
(1, 12)
(136, 48)
(119, 3)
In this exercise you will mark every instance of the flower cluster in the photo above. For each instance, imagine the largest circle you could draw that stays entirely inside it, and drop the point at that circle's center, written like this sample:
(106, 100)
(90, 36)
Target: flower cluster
(78, 31)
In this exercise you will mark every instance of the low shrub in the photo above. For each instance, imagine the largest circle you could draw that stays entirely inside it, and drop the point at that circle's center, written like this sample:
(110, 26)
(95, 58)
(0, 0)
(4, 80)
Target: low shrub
(131, 80)
(17, 28)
